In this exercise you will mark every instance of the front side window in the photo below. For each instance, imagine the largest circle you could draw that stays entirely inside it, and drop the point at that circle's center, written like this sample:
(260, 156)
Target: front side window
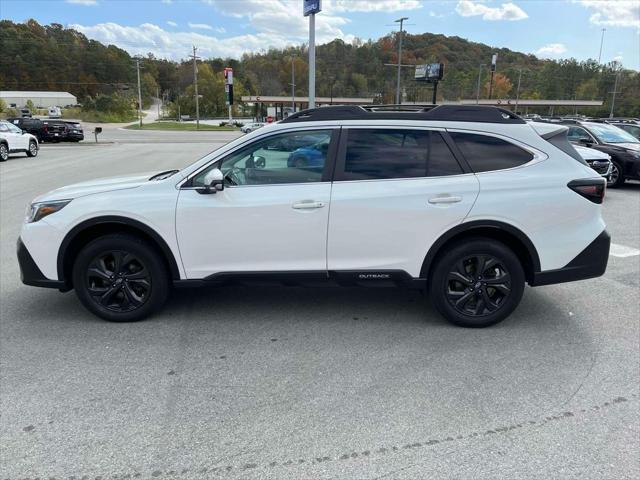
(575, 134)
(297, 157)
(485, 153)
(13, 129)
(373, 154)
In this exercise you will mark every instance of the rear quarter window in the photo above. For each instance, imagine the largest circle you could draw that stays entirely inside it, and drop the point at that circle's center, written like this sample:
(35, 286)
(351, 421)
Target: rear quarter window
(485, 153)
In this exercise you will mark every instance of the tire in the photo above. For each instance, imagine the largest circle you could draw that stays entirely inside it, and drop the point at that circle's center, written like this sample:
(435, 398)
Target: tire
(469, 299)
(127, 292)
(4, 152)
(617, 175)
(33, 149)
(300, 162)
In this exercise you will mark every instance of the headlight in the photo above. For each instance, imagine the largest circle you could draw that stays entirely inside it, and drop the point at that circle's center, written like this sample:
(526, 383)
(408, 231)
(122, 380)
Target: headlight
(40, 210)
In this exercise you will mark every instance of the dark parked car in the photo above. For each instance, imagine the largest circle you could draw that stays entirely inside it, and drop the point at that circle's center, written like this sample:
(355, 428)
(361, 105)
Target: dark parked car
(631, 127)
(74, 132)
(30, 125)
(55, 130)
(623, 147)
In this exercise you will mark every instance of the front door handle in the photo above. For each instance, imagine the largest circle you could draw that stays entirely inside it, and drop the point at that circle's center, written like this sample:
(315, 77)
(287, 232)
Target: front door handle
(445, 199)
(307, 205)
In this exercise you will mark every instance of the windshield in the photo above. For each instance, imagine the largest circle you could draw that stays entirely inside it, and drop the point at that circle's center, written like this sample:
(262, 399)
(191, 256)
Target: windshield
(611, 134)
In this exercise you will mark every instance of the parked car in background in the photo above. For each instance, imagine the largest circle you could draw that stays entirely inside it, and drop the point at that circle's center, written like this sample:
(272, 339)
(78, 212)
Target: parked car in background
(25, 113)
(54, 130)
(13, 139)
(74, 132)
(250, 127)
(31, 125)
(623, 147)
(599, 161)
(54, 112)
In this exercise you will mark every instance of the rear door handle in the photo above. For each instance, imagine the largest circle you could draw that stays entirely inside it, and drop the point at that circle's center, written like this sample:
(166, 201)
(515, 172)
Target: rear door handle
(307, 205)
(445, 199)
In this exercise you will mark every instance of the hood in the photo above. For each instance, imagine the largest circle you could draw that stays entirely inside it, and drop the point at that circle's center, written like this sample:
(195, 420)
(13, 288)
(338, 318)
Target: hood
(591, 153)
(628, 146)
(96, 186)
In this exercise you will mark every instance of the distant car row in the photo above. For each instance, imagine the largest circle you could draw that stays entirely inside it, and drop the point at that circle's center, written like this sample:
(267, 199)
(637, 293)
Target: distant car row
(50, 130)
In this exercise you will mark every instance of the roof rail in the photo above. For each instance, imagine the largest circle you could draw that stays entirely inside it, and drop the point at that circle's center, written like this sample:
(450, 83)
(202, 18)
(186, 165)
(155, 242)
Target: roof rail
(453, 113)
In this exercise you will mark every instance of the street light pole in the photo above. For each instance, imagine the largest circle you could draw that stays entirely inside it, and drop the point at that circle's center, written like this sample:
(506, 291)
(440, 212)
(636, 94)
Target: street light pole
(478, 88)
(312, 60)
(401, 20)
(601, 42)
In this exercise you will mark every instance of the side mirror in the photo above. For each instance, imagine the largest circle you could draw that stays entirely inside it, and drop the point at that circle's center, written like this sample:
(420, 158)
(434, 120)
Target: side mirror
(585, 141)
(213, 182)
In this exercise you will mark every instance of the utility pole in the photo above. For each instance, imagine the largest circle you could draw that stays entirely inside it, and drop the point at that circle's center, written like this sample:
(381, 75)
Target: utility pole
(518, 90)
(494, 58)
(195, 86)
(312, 60)
(293, 85)
(401, 20)
(139, 93)
(601, 42)
(478, 88)
(615, 90)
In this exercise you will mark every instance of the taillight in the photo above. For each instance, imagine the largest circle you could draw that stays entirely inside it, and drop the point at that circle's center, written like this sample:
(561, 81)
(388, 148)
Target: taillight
(593, 190)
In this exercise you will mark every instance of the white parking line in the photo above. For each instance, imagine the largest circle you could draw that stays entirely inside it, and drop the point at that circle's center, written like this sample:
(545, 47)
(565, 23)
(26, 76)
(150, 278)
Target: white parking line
(623, 251)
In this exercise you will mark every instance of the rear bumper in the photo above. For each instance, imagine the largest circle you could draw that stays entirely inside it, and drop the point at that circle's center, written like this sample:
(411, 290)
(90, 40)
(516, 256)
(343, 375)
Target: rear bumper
(590, 263)
(30, 274)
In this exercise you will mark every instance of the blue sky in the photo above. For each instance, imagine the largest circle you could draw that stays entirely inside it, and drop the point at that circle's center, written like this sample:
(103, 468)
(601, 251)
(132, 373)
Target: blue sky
(168, 28)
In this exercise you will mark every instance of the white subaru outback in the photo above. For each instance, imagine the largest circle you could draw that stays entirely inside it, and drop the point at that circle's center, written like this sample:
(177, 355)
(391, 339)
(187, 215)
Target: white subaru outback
(467, 202)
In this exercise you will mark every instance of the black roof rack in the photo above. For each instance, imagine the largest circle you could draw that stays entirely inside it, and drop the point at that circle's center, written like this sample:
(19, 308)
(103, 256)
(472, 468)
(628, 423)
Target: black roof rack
(453, 113)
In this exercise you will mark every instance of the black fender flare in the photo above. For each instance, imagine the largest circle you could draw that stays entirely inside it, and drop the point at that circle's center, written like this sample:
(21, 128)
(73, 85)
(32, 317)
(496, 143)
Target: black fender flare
(128, 222)
(469, 227)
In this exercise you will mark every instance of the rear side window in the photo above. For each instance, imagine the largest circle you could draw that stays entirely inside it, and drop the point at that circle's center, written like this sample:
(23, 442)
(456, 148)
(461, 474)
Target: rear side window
(485, 153)
(373, 154)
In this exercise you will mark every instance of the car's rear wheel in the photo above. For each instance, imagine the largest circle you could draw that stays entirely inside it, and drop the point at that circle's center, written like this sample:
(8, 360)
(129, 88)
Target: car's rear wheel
(33, 149)
(4, 152)
(617, 176)
(477, 283)
(120, 278)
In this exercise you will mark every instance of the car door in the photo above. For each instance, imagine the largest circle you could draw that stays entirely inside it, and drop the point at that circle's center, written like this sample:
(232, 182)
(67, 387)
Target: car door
(14, 137)
(396, 190)
(580, 135)
(272, 215)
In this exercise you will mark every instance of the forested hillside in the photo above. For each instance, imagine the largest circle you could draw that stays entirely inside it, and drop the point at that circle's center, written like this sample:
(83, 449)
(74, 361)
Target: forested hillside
(52, 57)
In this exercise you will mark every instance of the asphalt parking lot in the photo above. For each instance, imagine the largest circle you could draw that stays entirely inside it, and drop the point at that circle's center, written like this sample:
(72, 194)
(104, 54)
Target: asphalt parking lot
(299, 383)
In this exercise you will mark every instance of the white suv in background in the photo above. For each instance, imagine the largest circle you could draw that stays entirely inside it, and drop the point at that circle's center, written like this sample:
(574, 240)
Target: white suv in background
(467, 202)
(13, 139)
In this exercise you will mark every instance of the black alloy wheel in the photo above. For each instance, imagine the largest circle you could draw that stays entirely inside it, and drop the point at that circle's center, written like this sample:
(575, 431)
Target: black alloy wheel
(121, 277)
(616, 177)
(476, 282)
(478, 285)
(118, 281)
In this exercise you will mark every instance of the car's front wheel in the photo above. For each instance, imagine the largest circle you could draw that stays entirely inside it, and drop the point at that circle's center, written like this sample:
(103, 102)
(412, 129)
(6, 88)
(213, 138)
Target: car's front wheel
(33, 149)
(616, 178)
(120, 278)
(477, 283)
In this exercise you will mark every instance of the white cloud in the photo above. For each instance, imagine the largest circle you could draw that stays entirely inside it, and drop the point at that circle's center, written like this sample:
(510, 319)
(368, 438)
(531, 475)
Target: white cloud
(200, 26)
(220, 29)
(613, 13)
(172, 24)
(506, 11)
(369, 5)
(167, 1)
(551, 50)
(140, 40)
(83, 2)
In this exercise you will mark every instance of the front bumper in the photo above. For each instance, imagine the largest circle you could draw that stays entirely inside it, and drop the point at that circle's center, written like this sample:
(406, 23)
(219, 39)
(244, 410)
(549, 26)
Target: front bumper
(30, 274)
(590, 263)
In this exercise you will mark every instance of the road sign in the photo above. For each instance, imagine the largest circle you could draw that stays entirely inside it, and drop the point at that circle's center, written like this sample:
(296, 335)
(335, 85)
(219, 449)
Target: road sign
(431, 72)
(311, 7)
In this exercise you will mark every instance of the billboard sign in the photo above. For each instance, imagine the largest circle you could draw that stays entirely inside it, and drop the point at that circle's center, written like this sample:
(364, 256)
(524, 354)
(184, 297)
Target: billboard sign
(228, 85)
(431, 72)
(311, 7)
(494, 59)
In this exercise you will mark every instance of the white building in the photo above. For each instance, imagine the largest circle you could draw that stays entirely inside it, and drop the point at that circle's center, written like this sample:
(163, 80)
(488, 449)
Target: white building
(18, 99)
